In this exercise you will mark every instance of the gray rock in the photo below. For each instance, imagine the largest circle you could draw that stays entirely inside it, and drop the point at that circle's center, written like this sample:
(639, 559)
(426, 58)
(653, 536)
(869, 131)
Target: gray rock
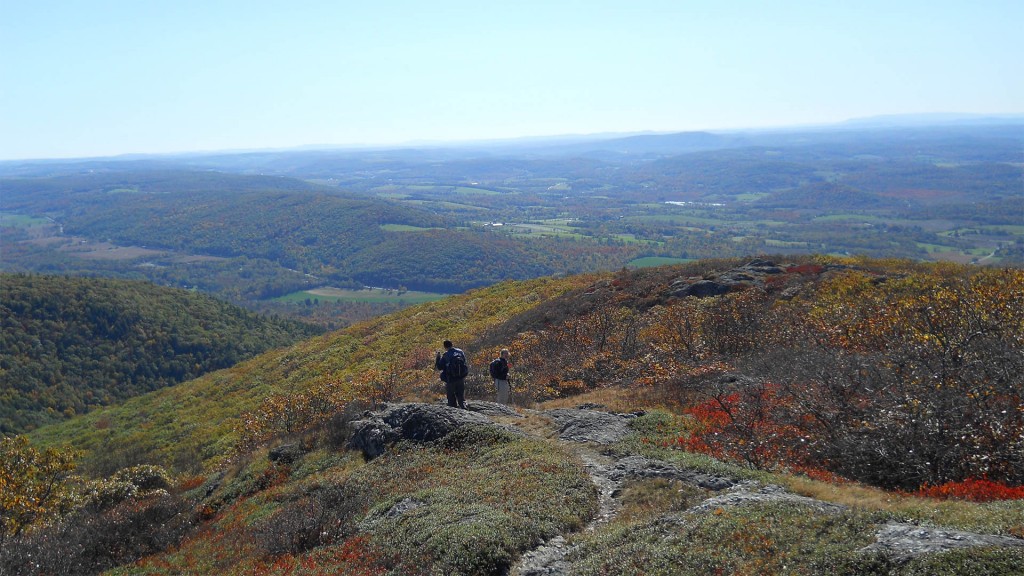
(400, 508)
(753, 493)
(285, 454)
(763, 267)
(640, 467)
(416, 422)
(749, 275)
(702, 289)
(590, 425)
(547, 560)
(905, 541)
(492, 409)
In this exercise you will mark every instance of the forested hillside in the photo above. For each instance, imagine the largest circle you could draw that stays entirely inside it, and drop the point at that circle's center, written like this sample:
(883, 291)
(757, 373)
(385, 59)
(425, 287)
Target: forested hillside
(72, 344)
(253, 238)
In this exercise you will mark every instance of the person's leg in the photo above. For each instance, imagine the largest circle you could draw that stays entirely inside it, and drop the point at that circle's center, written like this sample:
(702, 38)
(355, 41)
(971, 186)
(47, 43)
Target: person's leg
(449, 390)
(460, 392)
(503, 391)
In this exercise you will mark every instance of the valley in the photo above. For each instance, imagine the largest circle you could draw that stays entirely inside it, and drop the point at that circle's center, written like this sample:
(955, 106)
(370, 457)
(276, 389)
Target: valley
(385, 217)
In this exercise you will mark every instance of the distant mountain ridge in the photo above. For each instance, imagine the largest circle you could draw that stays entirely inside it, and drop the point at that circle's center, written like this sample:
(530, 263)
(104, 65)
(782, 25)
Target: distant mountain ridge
(661, 142)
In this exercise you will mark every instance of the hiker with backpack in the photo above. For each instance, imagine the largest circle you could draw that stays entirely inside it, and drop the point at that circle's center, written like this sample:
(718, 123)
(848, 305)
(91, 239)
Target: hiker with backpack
(499, 372)
(454, 369)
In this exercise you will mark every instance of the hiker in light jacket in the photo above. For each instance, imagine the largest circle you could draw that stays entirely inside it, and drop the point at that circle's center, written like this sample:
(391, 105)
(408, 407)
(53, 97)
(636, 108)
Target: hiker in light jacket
(499, 372)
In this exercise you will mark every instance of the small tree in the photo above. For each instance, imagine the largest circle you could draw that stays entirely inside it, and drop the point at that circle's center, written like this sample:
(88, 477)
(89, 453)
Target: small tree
(34, 486)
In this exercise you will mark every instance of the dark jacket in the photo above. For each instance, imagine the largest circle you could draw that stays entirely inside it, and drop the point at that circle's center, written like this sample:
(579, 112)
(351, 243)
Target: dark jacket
(499, 369)
(442, 361)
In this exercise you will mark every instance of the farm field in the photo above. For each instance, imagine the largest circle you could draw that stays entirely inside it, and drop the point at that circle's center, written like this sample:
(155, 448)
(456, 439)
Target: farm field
(366, 295)
(651, 261)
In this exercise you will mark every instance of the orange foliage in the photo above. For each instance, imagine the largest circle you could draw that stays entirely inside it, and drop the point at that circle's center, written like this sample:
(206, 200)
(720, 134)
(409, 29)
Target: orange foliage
(973, 489)
(191, 483)
(743, 426)
(355, 557)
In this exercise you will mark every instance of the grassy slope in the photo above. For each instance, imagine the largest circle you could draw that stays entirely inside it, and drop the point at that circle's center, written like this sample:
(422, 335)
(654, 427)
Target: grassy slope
(193, 425)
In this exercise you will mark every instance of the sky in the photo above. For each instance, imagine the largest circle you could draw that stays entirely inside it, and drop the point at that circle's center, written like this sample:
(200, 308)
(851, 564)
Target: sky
(104, 77)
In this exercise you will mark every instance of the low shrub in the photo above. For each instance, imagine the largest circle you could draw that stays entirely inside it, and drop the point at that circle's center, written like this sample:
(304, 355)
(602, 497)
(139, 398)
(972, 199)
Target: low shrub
(90, 541)
(973, 489)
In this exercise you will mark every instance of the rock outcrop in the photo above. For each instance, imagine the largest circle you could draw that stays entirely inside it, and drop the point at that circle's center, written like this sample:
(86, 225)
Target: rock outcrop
(905, 541)
(751, 274)
(756, 493)
(586, 425)
(633, 467)
(416, 422)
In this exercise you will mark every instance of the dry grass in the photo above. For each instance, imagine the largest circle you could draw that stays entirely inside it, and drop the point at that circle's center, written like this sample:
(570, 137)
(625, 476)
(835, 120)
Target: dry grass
(1005, 517)
(614, 399)
(533, 424)
(649, 498)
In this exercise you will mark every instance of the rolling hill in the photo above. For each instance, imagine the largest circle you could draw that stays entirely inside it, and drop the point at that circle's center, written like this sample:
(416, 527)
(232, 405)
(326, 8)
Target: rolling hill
(70, 345)
(252, 238)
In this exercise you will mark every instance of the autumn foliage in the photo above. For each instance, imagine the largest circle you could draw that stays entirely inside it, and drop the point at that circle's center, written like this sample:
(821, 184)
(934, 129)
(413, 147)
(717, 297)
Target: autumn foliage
(896, 381)
(895, 374)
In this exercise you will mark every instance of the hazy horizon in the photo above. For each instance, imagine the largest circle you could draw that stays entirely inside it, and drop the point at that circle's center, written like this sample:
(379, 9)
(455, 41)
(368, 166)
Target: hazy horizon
(108, 78)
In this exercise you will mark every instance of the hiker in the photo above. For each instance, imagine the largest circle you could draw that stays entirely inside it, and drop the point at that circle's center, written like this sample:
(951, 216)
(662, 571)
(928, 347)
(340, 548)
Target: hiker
(499, 371)
(454, 369)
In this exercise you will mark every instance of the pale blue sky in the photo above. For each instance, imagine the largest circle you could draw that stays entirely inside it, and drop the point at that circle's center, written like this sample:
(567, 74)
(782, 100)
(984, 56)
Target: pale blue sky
(105, 77)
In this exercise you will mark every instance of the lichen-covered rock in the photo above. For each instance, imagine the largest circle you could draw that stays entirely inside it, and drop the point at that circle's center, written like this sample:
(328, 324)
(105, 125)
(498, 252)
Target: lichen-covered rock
(492, 409)
(702, 289)
(285, 454)
(754, 493)
(905, 541)
(581, 425)
(416, 422)
(749, 275)
(641, 467)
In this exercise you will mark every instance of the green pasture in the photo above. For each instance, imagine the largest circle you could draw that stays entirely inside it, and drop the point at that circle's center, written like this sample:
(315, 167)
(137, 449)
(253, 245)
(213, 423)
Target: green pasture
(785, 243)
(848, 217)
(444, 205)
(994, 230)
(13, 220)
(943, 249)
(449, 189)
(752, 197)
(558, 221)
(652, 261)
(632, 239)
(683, 220)
(366, 295)
(560, 231)
(680, 219)
(404, 228)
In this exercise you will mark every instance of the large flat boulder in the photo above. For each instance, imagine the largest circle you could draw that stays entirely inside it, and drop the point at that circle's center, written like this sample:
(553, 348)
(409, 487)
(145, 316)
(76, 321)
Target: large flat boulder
(416, 422)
